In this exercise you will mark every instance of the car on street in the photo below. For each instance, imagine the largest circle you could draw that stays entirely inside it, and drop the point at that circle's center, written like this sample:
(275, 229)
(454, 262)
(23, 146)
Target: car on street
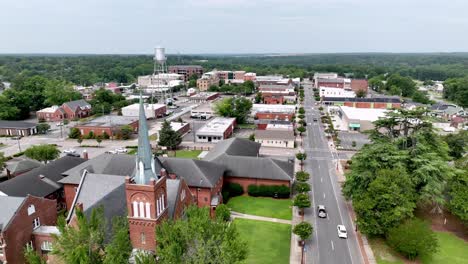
(67, 151)
(315, 119)
(111, 152)
(72, 155)
(59, 124)
(121, 150)
(321, 212)
(342, 231)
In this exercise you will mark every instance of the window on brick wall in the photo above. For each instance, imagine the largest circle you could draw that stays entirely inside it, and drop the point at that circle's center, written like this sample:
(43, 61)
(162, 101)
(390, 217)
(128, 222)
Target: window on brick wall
(31, 209)
(46, 246)
(36, 223)
(182, 195)
(143, 238)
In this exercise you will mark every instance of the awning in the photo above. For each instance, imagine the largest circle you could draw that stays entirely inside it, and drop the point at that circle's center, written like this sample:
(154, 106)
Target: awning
(354, 125)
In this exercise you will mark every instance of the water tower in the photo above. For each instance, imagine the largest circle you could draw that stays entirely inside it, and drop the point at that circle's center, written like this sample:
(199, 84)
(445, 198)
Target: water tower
(160, 60)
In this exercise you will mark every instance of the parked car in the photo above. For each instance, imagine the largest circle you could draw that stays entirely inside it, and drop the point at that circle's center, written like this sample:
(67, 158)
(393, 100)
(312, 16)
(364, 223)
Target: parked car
(73, 155)
(67, 151)
(315, 119)
(121, 150)
(16, 137)
(342, 231)
(111, 152)
(59, 124)
(321, 212)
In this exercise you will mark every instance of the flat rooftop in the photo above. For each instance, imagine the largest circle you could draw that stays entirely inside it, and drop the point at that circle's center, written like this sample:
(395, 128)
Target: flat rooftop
(108, 121)
(136, 106)
(273, 108)
(367, 114)
(217, 125)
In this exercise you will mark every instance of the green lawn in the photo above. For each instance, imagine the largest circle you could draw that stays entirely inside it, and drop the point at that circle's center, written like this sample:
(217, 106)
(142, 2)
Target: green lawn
(246, 126)
(267, 242)
(452, 250)
(186, 154)
(262, 206)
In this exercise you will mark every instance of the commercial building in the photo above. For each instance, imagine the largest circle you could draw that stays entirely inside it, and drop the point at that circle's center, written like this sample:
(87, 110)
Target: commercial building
(186, 70)
(181, 128)
(17, 128)
(275, 138)
(250, 76)
(69, 110)
(336, 92)
(273, 108)
(208, 79)
(203, 97)
(109, 125)
(359, 119)
(203, 111)
(151, 110)
(272, 80)
(218, 129)
(333, 81)
(377, 102)
(323, 75)
(161, 79)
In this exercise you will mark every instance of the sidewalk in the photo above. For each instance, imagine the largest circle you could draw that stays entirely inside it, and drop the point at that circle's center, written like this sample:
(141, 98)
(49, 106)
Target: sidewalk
(259, 218)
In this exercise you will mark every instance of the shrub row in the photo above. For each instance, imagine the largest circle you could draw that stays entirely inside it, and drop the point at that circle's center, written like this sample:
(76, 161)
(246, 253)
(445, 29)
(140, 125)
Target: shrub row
(276, 191)
(231, 190)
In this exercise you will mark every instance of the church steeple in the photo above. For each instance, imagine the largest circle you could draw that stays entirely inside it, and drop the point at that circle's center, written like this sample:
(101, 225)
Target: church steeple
(145, 167)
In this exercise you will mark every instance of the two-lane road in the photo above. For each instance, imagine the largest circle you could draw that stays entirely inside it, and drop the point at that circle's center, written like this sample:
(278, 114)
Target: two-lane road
(325, 246)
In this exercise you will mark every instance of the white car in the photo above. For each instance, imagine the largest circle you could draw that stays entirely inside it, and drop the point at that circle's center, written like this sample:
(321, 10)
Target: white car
(111, 152)
(68, 151)
(121, 150)
(322, 213)
(342, 231)
(59, 124)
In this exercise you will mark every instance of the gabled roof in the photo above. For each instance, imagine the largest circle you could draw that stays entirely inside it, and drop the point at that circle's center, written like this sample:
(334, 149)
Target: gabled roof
(73, 105)
(40, 181)
(19, 165)
(234, 147)
(257, 168)
(197, 173)
(16, 124)
(9, 206)
(112, 164)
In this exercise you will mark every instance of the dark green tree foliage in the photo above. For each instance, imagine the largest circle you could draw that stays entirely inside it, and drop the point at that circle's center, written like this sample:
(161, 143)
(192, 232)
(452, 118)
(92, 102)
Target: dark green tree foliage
(223, 213)
(457, 143)
(74, 133)
(302, 201)
(126, 132)
(361, 93)
(405, 84)
(42, 152)
(57, 92)
(413, 238)
(168, 137)
(456, 90)
(237, 107)
(120, 247)
(42, 128)
(302, 187)
(302, 176)
(458, 195)
(104, 101)
(32, 257)
(83, 243)
(7, 110)
(275, 191)
(199, 239)
(420, 97)
(303, 230)
(377, 83)
(388, 201)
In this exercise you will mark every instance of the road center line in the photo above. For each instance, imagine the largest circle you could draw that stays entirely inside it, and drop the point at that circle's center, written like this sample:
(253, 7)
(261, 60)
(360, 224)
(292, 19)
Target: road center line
(323, 195)
(333, 246)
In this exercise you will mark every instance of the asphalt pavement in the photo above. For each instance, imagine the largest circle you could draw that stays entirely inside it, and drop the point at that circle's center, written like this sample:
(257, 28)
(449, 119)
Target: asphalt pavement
(325, 246)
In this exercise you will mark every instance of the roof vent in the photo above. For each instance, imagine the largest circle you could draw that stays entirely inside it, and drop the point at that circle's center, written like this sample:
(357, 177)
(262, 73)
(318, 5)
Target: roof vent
(41, 176)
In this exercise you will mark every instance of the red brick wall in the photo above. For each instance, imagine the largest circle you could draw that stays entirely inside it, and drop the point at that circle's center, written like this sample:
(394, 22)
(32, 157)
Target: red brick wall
(276, 116)
(19, 231)
(350, 104)
(70, 192)
(275, 99)
(359, 84)
(160, 112)
(100, 130)
(202, 196)
(363, 105)
(328, 84)
(181, 204)
(38, 239)
(380, 105)
(245, 182)
(56, 116)
(396, 105)
(229, 130)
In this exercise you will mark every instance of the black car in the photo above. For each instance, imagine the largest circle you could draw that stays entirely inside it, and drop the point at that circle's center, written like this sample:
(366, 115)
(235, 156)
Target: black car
(73, 155)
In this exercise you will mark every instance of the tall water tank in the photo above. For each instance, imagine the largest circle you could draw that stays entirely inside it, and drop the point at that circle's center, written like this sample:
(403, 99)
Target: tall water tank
(159, 55)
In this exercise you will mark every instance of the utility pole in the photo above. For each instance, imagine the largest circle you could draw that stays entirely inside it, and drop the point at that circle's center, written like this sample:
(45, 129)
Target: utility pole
(19, 145)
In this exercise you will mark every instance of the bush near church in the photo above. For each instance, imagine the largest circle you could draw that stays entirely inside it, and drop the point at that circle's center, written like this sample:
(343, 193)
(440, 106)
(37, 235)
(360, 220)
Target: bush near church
(275, 191)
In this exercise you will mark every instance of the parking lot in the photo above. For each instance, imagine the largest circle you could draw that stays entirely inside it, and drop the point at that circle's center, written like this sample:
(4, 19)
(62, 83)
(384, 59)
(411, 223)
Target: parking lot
(347, 139)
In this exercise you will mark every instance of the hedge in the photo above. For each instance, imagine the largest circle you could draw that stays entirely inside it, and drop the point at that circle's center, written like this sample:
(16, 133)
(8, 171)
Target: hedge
(232, 190)
(276, 191)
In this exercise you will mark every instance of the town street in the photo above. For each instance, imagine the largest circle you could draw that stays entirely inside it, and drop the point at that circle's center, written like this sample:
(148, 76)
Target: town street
(325, 245)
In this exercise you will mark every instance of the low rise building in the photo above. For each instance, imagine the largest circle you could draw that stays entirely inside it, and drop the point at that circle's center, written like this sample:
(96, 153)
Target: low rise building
(375, 102)
(161, 79)
(203, 97)
(250, 76)
(186, 70)
(17, 128)
(275, 138)
(109, 125)
(19, 166)
(182, 128)
(272, 108)
(68, 110)
(323, 75)
(203, 111)
(272, 80)
(151, 110)
(336, 92)
(359, 119)
(208, 79)
(218, 129)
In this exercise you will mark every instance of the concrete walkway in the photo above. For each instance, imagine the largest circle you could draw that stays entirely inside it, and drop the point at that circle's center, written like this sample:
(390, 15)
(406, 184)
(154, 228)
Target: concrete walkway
(259, 218)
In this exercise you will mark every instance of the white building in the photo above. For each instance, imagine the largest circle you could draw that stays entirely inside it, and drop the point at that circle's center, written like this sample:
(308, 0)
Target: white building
(182, 128)
(275, 138)
(359, 119)
(203, 111)
(151, 110)
(216, 130)
(272, 108)
(336, 92)
(161, 79)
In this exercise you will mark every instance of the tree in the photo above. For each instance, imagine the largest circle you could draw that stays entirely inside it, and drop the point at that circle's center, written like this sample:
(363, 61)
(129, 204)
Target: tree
(302, 201)
(252, 137)
(302, 187)
(405, 84)
(192, 83)
(83, 243)
(199, 239)
(353, 144)
(2, 160)
(302, 176)
(361, 93)
(223, 213)
(168, 137)
(301, 129)
(42, 128)
(456, 90)
(412, 239)
(42, 152)
(80, 140)
(301, 110)
(57, 92)
(301, 156)
(126, 131)
(18, 101)
(420, 97)
(238, 107)
(120, 247)
(74, 133)
(458, 195)
(258, 98)
(457, 143)
(31, 256)
(387, 203)
(99, 140)
(8, 111)
(303, 230)
(376, 83)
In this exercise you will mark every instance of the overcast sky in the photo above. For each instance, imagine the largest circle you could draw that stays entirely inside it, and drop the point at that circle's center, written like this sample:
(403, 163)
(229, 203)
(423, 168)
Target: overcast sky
(233, 26)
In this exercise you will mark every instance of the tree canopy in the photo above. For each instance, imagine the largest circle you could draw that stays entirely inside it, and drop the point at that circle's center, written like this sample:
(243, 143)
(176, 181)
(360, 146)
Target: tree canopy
(43, 152)
(168, 137)
(237, 107)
